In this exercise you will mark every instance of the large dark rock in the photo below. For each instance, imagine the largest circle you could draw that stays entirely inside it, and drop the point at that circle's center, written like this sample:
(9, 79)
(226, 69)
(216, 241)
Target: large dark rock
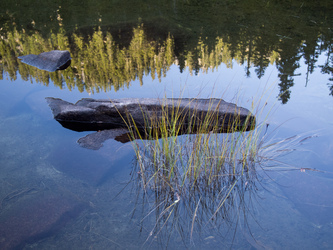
(49, 61)
(91, 114)
(114, 117)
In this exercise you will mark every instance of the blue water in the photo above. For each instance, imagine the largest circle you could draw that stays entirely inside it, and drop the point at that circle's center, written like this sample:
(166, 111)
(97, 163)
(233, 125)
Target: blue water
(290, 208)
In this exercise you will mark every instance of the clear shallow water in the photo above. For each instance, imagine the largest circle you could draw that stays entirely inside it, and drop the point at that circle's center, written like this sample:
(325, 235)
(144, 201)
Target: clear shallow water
(39, 158)
(57, 195)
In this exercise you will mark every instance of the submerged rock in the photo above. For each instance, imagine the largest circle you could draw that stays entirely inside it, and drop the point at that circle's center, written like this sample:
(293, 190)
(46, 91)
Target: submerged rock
(112, 118)
(33, 216)
(95, 140)
(49, 61)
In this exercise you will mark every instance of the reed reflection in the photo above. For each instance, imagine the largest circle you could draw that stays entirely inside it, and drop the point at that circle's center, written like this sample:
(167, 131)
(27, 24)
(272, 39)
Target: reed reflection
(205, 184)
(204, 193)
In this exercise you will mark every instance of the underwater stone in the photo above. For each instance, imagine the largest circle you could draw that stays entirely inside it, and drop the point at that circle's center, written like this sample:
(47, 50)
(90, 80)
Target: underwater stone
(95, 140)
(36, 215)
(93, 115)
(49, 61)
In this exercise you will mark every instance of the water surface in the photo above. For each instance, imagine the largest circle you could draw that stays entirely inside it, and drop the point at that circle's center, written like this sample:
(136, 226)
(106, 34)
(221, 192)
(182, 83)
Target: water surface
(58, 195)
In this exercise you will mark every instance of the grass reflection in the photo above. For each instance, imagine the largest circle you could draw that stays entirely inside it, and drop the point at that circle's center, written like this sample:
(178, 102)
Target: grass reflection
(192, 180)
(203, 180)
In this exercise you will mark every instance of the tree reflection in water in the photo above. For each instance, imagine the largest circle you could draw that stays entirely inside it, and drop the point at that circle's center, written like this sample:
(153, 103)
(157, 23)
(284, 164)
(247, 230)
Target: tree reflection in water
(103, 60)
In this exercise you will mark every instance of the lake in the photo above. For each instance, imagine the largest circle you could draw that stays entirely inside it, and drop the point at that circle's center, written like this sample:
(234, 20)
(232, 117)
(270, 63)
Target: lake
(271, 57)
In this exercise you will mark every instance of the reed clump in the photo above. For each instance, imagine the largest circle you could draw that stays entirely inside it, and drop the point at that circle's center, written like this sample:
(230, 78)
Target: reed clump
(193, 158)
(182, 148)
(201, 168)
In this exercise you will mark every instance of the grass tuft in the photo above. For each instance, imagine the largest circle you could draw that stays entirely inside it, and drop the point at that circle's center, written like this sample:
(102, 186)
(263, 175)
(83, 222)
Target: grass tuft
(197, 166)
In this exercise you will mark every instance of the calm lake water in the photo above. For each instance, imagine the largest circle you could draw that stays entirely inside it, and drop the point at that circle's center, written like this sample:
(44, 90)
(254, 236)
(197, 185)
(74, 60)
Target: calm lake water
(55, 194)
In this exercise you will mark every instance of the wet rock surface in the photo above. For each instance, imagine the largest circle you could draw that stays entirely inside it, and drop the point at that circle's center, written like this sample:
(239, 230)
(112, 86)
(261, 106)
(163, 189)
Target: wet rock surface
(112, 118)
(90, 114)
(49, 61)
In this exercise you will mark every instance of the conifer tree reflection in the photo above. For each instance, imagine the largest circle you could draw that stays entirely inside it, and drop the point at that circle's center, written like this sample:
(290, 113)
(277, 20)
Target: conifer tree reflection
(287, 66)
(102, 60)
(327, 68)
